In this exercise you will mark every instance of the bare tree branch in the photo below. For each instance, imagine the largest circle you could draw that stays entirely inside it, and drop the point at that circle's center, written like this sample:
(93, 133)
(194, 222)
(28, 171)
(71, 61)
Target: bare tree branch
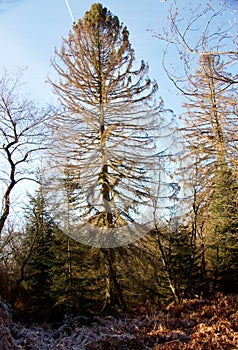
(22, 133)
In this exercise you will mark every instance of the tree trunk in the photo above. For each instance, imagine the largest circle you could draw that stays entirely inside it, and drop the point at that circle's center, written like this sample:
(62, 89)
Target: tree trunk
(114, 284)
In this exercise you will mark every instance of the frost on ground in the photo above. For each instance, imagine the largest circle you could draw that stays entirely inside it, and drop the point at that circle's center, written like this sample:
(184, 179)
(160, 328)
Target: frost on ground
(209, 324)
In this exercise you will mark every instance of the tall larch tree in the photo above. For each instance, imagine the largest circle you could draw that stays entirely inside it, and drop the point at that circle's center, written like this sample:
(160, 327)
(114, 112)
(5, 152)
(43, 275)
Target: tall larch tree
(109, 127)
(107, 132)
(205, 43)
(211, 116)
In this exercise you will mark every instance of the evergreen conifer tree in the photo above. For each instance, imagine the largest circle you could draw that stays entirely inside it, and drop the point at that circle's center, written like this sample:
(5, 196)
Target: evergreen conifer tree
(223, 228)
(40, 242)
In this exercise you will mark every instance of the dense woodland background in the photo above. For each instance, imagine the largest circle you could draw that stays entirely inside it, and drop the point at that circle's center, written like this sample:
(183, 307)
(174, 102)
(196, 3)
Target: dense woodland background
(98, 155)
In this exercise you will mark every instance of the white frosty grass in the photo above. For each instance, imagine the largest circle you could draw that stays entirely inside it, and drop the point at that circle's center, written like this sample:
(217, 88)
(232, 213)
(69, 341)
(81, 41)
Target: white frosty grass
(67, 338)
(70, 336)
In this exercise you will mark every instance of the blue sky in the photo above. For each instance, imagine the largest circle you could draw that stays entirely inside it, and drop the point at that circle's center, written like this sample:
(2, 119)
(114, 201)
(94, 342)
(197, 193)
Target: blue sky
(30, 30)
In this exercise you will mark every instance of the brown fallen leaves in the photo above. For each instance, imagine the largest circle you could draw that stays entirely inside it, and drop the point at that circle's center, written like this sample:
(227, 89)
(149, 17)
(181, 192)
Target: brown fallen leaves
(210, 324)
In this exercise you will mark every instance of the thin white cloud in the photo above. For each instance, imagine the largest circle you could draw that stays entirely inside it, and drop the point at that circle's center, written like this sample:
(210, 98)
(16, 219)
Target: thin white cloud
(6, 3)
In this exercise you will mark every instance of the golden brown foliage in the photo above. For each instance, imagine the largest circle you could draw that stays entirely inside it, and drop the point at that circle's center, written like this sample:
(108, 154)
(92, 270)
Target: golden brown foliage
(210, 324)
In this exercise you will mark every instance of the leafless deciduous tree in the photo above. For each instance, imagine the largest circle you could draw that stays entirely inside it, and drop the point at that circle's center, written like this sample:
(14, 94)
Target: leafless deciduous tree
(22, 136)
(207, 29)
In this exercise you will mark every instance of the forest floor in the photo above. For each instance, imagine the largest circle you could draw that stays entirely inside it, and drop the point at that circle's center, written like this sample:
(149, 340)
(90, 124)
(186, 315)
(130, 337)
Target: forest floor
(209, 324)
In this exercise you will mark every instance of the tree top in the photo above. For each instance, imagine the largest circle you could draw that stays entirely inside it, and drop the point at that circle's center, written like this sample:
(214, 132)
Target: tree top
(99, 16)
